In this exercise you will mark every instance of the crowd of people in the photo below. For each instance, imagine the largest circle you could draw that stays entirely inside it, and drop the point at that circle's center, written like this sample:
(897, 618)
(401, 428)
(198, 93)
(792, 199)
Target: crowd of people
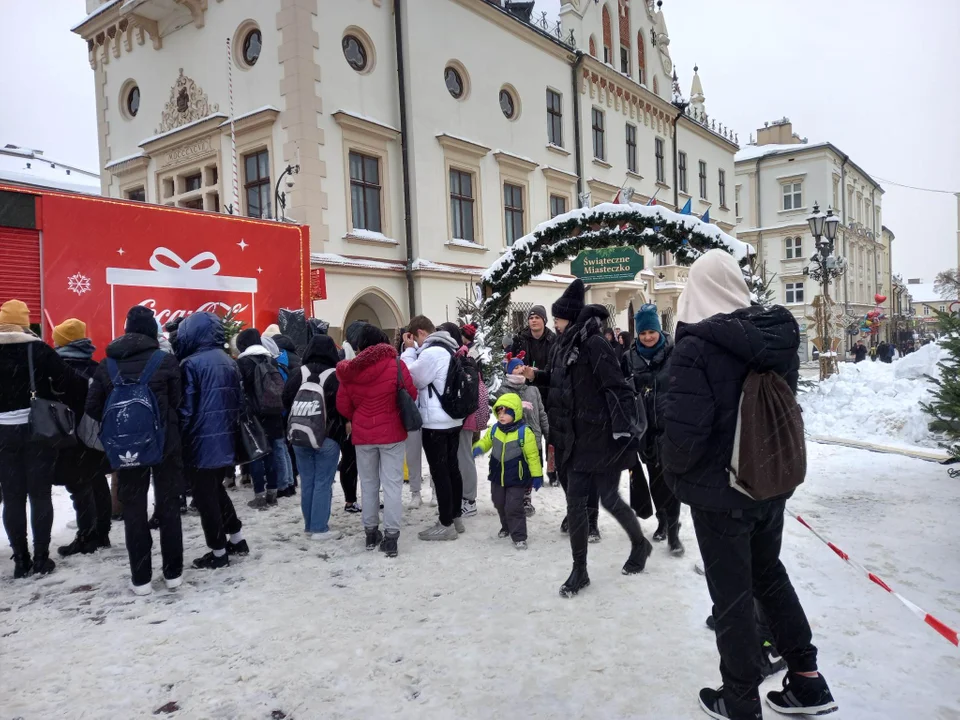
(579, 404)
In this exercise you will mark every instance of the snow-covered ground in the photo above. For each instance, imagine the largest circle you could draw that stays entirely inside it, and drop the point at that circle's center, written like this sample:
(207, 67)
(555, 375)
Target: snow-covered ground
(876, 402)
(475, 629)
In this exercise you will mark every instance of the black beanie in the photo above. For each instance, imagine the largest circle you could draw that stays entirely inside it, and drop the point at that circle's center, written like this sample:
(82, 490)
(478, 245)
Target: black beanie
(370, 335)
(140, 320)
(248, 337)
(453, 330)
(570, 304)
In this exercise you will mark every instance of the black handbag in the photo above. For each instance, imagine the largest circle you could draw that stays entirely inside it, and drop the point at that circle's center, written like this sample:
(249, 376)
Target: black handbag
(51, 423)
(254, 443)
(409, 412)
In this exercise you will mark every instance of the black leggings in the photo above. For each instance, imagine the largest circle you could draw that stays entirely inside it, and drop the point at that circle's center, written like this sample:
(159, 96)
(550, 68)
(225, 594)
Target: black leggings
(607, 485)
(25, 471)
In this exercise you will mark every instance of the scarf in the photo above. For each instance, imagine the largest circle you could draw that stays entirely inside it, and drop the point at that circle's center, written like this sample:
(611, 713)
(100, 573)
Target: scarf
(648, 352)
(715, 286)
(573, 338)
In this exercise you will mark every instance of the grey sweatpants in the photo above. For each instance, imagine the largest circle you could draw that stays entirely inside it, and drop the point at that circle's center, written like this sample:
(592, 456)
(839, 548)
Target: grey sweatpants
(381, 466)
(509, 504)
(414, 452)
(468, 466)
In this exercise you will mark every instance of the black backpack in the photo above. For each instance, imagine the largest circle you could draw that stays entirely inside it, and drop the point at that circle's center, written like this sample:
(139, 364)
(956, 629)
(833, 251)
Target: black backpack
(267, 388)
(461, 392)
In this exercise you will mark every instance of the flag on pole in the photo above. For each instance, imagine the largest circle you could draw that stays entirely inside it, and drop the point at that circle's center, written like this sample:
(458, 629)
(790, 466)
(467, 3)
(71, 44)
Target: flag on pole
(706, 216)
(653, 199)
(616, 200)
(687, 209)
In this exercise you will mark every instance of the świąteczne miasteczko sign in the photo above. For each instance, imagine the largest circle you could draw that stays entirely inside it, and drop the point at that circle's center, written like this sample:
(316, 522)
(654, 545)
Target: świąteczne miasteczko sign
(607, 265)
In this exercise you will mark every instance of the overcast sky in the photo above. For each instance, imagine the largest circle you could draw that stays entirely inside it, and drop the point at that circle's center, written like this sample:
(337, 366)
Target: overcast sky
(875, 77)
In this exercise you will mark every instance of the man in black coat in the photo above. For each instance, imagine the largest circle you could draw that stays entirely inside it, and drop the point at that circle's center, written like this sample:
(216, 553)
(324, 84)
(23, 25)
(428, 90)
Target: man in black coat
(720, 338)
(132, 351)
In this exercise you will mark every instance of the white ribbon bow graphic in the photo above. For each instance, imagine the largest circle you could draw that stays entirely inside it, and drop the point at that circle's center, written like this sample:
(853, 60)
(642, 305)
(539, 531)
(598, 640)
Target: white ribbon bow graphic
(166, 260)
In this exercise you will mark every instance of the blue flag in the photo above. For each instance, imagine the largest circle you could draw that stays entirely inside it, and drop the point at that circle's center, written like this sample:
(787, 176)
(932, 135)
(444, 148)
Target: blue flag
(706, 216)
(687, 209)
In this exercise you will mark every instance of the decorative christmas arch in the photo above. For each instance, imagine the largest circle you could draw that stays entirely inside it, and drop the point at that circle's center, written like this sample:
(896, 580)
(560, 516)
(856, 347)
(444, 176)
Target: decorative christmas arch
(603, 226)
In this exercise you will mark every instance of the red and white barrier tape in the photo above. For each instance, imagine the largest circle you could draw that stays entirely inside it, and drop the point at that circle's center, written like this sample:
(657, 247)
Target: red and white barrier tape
(945, 630)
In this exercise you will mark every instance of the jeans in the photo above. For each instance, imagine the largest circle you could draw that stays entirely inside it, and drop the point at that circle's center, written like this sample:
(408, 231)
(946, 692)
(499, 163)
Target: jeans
(381, 466)
(607, 485)
(217, 514)
(741, 558)
(509, 504)
(93, 505)
(468, 466)
(317, 470)
(167, 486)
(273, 471)
(441, 448)
(414, 449)
(25, 470)
(348, 471)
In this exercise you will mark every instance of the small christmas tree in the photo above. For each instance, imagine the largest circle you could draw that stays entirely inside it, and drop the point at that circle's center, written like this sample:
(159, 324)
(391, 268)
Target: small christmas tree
(945, 407)
(762, 291)
(470, 312)
(231, 328)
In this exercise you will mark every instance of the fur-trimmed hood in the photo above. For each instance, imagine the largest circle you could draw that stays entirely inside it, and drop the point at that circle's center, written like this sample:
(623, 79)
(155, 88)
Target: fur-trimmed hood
(16, 338)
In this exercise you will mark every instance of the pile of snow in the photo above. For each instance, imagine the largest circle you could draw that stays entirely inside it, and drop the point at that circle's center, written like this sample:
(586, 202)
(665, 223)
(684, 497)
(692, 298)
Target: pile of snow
(876, 402)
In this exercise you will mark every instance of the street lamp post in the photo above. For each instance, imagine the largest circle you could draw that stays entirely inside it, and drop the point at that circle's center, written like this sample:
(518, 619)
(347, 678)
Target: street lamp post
(280, 198)
(824, 266)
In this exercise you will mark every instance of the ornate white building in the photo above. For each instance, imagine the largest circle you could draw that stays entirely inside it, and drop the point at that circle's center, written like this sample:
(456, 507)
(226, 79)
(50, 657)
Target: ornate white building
(778, 180)
(426, 141)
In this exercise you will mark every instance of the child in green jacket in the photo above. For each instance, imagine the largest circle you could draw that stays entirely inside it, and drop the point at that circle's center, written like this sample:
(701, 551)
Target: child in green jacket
(514, 466)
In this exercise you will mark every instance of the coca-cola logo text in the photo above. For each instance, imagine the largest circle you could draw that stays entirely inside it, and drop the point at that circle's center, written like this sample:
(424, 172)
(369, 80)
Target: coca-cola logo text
(166, 315)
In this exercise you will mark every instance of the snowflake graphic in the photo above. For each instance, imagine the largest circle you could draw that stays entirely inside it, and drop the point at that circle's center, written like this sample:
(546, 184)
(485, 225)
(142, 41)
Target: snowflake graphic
(78, 283)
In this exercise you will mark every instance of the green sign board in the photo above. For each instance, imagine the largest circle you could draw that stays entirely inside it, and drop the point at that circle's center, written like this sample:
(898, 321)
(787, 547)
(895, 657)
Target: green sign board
(607, 265)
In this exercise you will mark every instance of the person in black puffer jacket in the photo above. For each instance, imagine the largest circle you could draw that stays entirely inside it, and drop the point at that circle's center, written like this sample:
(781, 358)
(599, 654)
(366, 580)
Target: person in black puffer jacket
(644, 365)
(83, 470)
(26, 467)
(598, 430)
(132, 351)
(210, 420)
(719, 340)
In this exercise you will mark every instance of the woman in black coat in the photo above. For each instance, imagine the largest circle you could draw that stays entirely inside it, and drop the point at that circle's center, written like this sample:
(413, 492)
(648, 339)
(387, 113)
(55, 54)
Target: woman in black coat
(644, 365)
(598, 432)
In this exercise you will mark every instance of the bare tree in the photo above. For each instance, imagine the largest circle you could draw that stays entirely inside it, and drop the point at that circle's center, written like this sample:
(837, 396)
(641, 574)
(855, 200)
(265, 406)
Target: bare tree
(947, 284)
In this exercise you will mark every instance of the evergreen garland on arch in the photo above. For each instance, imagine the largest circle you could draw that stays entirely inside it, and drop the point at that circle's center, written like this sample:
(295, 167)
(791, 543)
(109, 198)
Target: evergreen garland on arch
(636, 226)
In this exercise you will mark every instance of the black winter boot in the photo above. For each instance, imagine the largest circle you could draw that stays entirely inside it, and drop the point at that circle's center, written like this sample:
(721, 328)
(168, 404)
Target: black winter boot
(374, 538)
(577, 581)
(212, 562)
(82, 544)
(389, 545)
(660, 534)
(565, 526)
(673, 539)
(638, 558)
(42, 564)
(22, 564)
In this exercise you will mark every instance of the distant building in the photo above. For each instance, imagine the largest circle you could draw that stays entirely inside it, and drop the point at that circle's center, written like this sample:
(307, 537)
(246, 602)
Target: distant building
(926, 301)
(31, 168)
(778, 180)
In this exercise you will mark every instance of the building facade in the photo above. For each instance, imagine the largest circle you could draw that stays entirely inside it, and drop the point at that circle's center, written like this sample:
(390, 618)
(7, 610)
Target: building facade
(778, 181)
(411, 188)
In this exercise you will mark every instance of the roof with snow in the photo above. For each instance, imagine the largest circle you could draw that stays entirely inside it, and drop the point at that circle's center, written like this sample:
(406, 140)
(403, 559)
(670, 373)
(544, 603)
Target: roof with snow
(752, 152)
(23, 166)
(925, 293)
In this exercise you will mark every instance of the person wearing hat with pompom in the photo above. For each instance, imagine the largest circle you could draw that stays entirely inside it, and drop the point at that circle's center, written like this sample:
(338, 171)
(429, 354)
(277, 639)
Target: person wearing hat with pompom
(132, 352)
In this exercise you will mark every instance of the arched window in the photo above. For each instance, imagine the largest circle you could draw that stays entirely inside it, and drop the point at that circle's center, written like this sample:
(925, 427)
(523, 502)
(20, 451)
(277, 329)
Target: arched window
(624, 37)
(641, 60)
(593, 46)
(607, 36)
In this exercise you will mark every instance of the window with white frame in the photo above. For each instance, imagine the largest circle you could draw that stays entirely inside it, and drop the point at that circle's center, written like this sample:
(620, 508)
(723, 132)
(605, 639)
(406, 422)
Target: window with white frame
(631, 148)
(599, 143)
(658, 155)
(722, 181)
(512, 212)
(558, 205)
(365, 191)
(792, 195)
(736, 201)
(794, 293)
(703, 180)
(943, 308)
(554, 118)
(793, 248)
(682, 171)
(462, 204)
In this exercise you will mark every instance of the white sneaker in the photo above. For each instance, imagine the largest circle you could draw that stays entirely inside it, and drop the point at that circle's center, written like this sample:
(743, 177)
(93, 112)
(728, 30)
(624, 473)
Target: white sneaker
(458, 524)
(416, 500)
(520, 544)
(468, 508)
(173, 583)
(144, 589)
(439, 532)
(326, 536)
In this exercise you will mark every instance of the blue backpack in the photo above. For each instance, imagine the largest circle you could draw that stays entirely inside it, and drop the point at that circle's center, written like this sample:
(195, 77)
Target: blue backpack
(132, 432)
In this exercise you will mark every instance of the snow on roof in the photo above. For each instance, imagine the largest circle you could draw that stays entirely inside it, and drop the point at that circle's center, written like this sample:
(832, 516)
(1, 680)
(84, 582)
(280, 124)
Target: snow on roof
(334, 259)
(126, 158)
(752, 152)
(691, 222)
(179, 128)
(925, 293)
(515, 156)
(22, 166)
(106, 6)
(238, 118)
(367, 118)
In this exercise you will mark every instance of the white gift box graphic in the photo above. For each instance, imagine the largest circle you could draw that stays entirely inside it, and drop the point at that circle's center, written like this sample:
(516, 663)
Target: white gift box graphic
(170, 271)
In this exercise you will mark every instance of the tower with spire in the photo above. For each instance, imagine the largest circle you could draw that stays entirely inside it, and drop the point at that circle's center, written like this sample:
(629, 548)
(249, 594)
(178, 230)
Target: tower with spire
(696, 93)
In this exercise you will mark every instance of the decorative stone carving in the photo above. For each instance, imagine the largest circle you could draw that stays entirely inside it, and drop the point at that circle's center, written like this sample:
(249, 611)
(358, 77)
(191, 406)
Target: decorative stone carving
(188, 103)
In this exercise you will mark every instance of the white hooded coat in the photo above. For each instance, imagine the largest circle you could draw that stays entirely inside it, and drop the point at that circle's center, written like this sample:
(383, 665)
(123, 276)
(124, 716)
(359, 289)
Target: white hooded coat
(428, 367)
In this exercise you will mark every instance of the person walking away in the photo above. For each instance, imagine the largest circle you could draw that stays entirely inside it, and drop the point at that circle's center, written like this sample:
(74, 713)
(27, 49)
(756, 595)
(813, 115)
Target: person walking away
(26, 466)
(721, 340)
(83, 470)
(428, 354)
(209, 421)
(514, 466)
(287, 364)
(873, 353)
(534, 413)
(598, 429)
(859, 352)
(644, 365)
(368, 399)
(349, 478)
(536, 342)
(552, 381)
(263, 397)
(135, 359)
(316, 457)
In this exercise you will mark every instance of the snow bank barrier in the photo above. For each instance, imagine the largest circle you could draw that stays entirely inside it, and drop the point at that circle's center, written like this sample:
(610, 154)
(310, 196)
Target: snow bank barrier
(876, 402)
(944, 630)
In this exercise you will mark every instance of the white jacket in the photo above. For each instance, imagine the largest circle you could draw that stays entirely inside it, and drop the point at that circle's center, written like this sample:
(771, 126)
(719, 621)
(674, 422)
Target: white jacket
(428, 366)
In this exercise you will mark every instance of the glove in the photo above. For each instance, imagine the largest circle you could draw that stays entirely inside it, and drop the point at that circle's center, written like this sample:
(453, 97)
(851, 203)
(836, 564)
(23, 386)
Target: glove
(477, 452)
(538, 482)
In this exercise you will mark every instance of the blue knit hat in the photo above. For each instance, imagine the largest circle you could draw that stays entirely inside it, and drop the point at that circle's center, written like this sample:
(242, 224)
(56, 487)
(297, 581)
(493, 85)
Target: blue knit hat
(647, 318)
(512, 362)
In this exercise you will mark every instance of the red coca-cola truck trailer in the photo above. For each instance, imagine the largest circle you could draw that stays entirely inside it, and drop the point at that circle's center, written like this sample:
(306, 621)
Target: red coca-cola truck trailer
(70, 255)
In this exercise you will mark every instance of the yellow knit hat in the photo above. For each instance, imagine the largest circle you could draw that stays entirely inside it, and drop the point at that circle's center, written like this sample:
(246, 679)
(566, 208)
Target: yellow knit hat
(15, 312)
(69, 331)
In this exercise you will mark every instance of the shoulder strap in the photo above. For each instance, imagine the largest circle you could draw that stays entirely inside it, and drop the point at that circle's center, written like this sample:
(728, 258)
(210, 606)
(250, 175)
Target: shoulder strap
(520, 432)
(113, 371)
(304, 373)
(324, 376)
(399, 374)
(33, 384)
(152, 364)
